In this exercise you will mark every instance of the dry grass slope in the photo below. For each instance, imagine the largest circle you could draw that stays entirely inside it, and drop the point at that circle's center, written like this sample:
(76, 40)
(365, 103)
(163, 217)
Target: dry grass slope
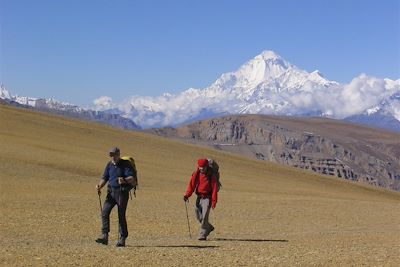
(268, 215)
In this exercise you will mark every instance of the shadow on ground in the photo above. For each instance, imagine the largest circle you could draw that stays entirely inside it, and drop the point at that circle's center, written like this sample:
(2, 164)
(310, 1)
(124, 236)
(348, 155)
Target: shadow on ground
(177, 246)
(250, 240)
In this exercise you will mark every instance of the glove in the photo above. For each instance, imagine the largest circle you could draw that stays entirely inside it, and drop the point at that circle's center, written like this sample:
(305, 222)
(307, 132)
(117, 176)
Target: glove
(185, 198)
(213, 205)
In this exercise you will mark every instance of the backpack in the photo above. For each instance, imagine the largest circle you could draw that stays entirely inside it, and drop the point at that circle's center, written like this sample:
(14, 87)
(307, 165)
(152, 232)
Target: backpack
(215, 170)
(131, 162)
(213, 165)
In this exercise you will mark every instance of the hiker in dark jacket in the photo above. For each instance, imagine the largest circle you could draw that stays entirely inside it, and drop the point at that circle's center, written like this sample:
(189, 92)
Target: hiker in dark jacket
(120, 177)
(204, 182)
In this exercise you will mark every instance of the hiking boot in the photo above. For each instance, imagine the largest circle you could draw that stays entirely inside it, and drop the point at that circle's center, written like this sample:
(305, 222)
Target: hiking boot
(210, 230)
(121, 242)
(202, 238)
(103, 239)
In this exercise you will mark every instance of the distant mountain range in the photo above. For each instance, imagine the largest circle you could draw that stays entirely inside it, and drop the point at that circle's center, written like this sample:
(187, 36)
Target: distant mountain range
(384, 115)
(266, 84)
(68, 110)
(322, 145)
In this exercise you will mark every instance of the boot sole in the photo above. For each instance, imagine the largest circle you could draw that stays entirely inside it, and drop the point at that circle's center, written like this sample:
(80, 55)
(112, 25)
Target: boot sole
(101, 242)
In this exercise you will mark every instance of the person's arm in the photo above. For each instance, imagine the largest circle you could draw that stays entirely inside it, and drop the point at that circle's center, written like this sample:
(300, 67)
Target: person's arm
(101, 184)
(128, 179)
(191, 187)
(104, 179)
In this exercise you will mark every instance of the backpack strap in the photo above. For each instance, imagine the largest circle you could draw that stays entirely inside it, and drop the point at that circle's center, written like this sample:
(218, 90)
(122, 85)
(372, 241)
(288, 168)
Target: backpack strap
(197, 180)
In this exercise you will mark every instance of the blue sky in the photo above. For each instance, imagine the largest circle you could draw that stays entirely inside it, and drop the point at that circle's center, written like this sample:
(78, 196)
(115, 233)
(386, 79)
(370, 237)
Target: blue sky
(77, 51)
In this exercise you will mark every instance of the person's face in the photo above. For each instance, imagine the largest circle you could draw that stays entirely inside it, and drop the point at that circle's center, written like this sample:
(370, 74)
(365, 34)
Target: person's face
(114, 157)
(203, 169)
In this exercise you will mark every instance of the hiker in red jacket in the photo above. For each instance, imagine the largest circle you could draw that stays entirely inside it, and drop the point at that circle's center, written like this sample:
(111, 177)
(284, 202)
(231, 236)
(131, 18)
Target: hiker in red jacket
(204, 182)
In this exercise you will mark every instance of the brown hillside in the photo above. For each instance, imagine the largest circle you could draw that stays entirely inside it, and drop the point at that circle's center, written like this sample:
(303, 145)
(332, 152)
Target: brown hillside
(267, 214)
(325, 146)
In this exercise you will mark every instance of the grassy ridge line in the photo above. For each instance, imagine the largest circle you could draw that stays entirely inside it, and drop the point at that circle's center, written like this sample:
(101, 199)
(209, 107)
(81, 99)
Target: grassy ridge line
(80, 147)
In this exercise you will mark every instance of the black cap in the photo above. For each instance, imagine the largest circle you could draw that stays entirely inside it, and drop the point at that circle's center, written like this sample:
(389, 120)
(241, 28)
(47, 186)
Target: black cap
(114, 150)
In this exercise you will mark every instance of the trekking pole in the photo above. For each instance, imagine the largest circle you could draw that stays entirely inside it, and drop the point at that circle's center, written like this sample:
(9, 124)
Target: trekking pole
(187, 217)
(101, 208)
(119, 207)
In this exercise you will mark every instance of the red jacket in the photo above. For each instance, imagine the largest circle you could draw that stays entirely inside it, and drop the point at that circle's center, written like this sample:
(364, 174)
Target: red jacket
(205, 186)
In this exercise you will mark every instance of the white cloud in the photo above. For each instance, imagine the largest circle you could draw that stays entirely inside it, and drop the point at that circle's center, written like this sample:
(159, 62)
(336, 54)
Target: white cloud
(103, 103)
(361, 93)
(336, 101)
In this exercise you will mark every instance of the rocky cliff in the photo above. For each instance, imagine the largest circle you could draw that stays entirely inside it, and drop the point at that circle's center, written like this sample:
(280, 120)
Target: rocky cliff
(325, 146)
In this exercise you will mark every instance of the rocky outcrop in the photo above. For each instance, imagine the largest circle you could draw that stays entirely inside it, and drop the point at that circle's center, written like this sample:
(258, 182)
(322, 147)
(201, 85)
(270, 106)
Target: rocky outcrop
(324, 146)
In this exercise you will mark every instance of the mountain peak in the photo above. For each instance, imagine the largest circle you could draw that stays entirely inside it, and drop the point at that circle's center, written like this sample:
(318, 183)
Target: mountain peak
(268, 54)
(270, 62)
(4, 94)
(263, 68)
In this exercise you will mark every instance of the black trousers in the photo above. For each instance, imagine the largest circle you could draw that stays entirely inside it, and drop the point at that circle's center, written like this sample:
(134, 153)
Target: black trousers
(120, 198)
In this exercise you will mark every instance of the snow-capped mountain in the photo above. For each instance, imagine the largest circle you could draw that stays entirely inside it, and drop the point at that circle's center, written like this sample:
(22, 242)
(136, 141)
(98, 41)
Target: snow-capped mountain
(38, 102)
(384, 115)
(4, 94)
(267, 84)
(66, 109)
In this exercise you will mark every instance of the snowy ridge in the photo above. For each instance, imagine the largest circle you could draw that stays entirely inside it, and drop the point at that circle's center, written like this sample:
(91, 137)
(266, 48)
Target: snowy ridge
(38, 102)
(65, 109)
(266, 84)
